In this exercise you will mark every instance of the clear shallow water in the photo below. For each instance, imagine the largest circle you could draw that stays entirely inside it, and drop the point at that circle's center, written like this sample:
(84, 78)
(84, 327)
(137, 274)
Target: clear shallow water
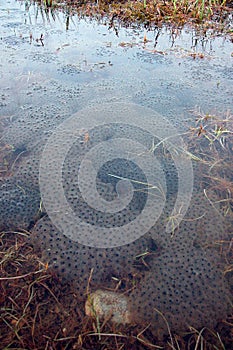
(165, 76)
(49, 73)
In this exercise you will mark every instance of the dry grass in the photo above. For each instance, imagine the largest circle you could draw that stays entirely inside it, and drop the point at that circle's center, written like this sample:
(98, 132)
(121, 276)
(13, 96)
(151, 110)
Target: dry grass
(211, 141)
(211, 13)
(39, 311)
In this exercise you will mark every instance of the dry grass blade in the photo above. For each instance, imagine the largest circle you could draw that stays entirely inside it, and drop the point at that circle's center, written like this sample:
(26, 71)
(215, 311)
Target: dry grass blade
(107, 335)
(22, 276)
(199, 338)
(143, 340)
(168, 327)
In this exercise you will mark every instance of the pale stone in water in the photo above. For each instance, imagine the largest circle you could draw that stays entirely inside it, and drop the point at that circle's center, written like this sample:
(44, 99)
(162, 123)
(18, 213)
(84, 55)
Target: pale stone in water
(108, 305)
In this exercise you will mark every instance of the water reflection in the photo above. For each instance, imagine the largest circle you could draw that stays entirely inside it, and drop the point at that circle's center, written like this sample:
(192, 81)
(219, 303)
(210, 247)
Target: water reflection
(199, 38)
(163, 66)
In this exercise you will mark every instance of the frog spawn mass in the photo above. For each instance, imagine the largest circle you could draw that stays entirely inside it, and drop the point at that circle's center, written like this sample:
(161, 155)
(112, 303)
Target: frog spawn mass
(177, 277)
(175, 274)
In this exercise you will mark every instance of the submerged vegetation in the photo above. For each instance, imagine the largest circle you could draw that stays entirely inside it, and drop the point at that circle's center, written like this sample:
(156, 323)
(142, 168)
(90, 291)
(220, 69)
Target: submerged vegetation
(210, 144)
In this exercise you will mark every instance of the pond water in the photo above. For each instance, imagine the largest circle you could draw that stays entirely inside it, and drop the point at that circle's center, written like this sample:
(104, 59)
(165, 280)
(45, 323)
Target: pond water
(161, 73)
(99, 87)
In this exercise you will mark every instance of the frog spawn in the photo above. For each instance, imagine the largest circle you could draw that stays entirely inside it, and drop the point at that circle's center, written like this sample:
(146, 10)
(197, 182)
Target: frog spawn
(174, 276)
